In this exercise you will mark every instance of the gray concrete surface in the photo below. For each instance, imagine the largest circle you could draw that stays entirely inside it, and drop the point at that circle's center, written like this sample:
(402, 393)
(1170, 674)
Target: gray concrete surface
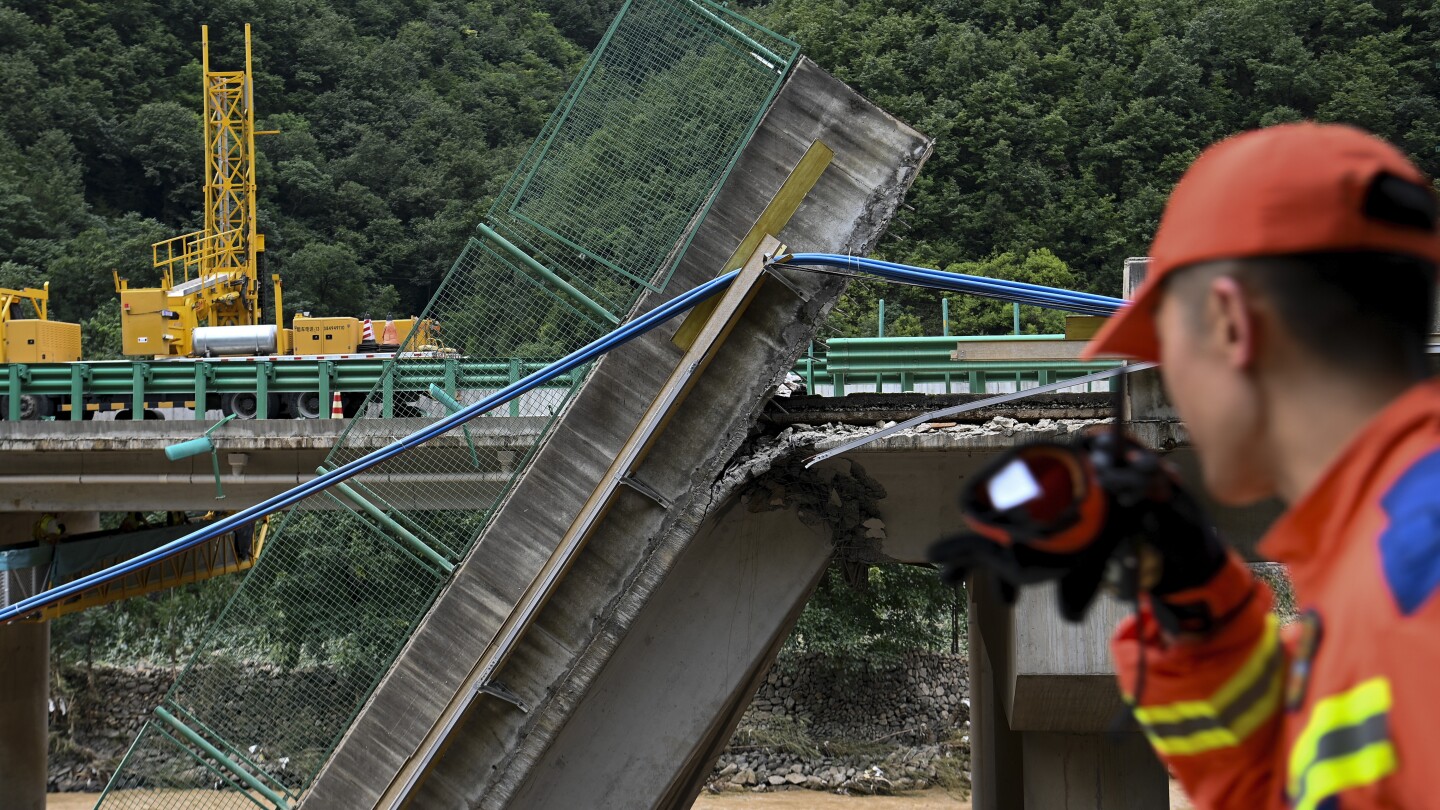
(492, 756)
(121, 466)
(24, 714)
(669, 691)
(25, 672)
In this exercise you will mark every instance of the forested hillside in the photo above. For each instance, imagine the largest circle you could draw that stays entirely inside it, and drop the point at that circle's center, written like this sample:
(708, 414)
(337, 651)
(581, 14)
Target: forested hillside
(1060, 125)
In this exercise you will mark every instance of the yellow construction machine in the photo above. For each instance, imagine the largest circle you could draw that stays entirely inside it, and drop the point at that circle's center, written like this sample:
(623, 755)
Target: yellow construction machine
(209, 286)
(208, 301)
(35, 339)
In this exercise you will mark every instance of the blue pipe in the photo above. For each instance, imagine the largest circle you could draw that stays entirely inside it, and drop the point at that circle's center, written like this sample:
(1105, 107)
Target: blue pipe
(1014, 291)
(987, 288)
(904, 270)
(1017, 285)
(569, 362)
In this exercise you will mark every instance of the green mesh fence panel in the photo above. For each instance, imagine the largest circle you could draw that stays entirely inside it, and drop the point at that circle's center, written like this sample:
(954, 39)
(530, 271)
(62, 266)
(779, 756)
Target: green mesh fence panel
(639, 143)
(599, 208)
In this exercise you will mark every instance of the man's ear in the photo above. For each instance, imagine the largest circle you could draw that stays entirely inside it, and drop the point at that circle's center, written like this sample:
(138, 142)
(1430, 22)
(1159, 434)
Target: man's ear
(1232, 322)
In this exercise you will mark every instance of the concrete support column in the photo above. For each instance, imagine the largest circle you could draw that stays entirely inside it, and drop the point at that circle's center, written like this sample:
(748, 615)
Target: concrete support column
(1084, 772)
(997, 772)
(1043, 699)
(24, 713)
(25, 669)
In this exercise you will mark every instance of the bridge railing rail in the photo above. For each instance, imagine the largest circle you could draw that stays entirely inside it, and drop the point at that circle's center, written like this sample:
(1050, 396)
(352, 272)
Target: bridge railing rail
(906, 364)
(835, 368)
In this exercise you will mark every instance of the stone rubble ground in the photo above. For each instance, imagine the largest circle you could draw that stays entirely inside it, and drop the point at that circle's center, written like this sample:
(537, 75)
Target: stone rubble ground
(902, 769)
(879, 731)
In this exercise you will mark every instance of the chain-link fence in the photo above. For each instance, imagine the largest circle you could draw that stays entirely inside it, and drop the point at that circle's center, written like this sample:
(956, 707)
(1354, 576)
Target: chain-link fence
(597, 213)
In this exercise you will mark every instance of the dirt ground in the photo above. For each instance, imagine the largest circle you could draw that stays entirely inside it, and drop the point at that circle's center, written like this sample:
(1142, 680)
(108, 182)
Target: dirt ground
(782, 800)
(71, 801)
(923, 800)
(797, 799)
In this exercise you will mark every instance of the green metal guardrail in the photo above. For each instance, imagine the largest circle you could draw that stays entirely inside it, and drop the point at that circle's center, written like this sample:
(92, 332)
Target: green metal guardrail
(850, 364)
(138, 382)
(847, 364)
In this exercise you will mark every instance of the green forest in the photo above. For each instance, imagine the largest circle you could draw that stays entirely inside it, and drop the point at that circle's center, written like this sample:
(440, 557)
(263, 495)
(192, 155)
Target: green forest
(1060, 126)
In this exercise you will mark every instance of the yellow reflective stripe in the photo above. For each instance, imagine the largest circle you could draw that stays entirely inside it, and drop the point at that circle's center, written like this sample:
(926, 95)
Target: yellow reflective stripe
(1174, 712)
(1328, 777)
(1243, 677)
(1263, 708)
(1196, 726)
(1349, 708)
(1269, 643)
(1197, 743)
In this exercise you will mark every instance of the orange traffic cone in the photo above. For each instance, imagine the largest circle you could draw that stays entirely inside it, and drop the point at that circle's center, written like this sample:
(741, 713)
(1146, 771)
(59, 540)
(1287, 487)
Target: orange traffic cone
(337, 411)
(391, 335)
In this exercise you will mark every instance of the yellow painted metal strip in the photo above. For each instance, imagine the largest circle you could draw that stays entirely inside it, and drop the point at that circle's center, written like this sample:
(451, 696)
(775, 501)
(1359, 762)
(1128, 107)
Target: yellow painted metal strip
(196, 565)
(775, 217)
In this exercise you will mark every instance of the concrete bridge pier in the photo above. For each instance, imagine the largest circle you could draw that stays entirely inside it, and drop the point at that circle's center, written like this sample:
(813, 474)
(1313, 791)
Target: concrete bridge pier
(1047, 727)
(25, 670)
(24, 695)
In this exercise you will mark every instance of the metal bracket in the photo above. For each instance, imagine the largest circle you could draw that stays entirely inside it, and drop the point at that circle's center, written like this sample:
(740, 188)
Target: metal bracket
(645, 489)
(500, 690)
(774, 274)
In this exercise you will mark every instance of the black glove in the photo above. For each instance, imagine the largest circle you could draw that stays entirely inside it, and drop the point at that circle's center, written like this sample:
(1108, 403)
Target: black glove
(1069, 513)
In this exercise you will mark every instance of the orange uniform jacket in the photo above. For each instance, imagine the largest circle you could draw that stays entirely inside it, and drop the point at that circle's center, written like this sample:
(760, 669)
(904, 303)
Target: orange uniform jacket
(1341, 709)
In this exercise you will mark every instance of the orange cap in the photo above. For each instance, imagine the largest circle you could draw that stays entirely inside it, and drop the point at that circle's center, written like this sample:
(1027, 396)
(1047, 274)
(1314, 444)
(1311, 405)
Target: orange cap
(1287, 189)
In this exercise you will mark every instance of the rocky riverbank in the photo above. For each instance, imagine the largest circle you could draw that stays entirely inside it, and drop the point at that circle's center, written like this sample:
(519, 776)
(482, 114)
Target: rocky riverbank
(818, 724)
(815, 723)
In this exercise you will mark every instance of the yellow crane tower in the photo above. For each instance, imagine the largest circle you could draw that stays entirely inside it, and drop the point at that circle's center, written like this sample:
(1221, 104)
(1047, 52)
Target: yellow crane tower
(210, 278)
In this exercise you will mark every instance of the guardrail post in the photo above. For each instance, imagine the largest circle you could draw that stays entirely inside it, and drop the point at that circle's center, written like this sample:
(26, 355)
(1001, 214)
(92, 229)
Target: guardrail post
(810, 369)
(137, 391)
(13, 396)
(977, 382)
(78, 374)
(201, 388)
(387, 391)
(452, 376)
(945, 330)
(262, 389)
(323, 387)
(837, 379)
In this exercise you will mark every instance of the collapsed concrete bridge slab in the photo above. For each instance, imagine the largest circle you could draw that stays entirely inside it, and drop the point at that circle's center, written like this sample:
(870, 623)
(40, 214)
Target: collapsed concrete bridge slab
(649, 575)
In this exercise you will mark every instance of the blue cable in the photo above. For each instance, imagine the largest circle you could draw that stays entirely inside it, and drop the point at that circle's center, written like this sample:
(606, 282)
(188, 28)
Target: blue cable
(990, 287)
(1103, 300)
(1013, 291)
(569, 362)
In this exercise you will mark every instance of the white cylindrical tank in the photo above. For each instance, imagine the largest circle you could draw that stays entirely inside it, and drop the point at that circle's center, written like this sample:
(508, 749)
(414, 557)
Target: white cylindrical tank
(209, 341)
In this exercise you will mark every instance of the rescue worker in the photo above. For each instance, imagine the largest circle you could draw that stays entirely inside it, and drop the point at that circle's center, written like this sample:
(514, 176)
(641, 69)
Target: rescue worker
(1288, 301)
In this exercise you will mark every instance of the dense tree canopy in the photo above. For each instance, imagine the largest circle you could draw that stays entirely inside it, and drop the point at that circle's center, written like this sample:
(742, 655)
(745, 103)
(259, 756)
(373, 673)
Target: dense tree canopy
(398, 120)
(1060, 125)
